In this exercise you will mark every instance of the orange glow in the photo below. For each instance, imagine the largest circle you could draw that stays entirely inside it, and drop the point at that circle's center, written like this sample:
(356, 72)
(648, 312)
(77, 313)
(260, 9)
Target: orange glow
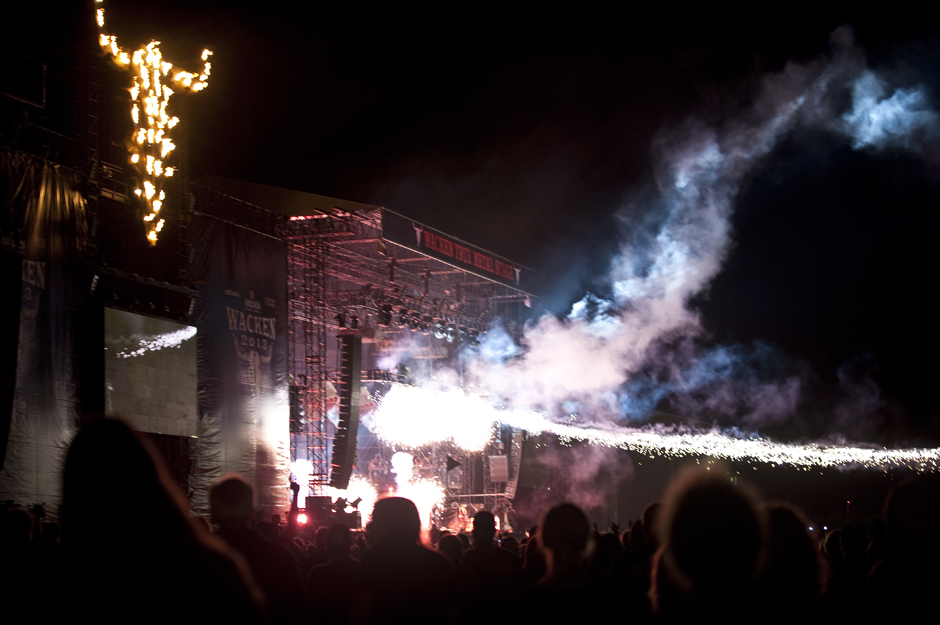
(150, 97)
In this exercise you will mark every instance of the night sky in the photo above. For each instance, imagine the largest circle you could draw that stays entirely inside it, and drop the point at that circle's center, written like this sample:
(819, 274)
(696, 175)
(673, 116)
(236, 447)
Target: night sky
(535, 135)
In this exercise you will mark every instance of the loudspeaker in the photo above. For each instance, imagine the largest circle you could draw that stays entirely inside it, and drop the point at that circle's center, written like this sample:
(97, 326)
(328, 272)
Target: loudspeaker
(344, 443)
(499, 468)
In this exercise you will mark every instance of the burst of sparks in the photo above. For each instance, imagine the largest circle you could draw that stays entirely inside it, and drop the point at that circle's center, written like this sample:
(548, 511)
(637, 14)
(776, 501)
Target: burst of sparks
(650, 442)
(412, 417)
(160, 341)
(425, 493)
(358, 488)
(434, 417)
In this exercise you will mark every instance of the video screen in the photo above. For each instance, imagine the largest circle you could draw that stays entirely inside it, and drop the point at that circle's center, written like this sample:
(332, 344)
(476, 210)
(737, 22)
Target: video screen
(150, 373)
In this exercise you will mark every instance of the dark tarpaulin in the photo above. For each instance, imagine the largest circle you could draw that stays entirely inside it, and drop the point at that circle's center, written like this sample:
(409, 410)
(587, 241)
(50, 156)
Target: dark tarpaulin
(45, 210)
(241, 317)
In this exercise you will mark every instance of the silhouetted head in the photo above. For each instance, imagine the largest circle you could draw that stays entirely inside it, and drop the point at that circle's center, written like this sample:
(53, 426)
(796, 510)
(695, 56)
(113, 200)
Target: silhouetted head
(231, 501)
(338, 541)
(564, 527)
(791, 574)
(451, 547)
(649, 521)
(564, 535)
(910, 511)
(321, 537)
(509, 543)
(395, 520)
(713, 533)
(17, 531)
(484, 527)
(108, 464)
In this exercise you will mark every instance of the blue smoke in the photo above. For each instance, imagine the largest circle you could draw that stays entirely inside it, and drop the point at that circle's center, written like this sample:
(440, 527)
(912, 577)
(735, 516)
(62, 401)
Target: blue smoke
(753, 383)
(880, 121)
(496, 346)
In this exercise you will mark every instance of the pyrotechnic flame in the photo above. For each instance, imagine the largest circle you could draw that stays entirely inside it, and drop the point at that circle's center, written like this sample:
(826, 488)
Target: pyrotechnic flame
(413, 409)
(425, 493)
(358, 487)
(151, 97)
(403, 467)
(412, 417)
(689, 442)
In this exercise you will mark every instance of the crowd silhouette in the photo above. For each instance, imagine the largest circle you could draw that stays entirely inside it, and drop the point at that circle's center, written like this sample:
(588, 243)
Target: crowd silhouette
(710, 549)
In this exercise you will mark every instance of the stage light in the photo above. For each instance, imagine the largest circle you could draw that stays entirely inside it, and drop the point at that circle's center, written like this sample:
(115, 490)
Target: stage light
(301, 518)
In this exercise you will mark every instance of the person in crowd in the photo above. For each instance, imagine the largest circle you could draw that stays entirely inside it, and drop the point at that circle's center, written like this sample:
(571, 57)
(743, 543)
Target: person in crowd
(713, 536)
(452, 548)
(130, 550)
(564, 593)
(489, 574)
(332, 585)
(22, 564)
(630, 574)
(232, 505)
(789, 587)
(401, 580)
(901, 586)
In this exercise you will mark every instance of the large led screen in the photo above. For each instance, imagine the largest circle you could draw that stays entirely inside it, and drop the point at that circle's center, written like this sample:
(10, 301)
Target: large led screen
(150, 373)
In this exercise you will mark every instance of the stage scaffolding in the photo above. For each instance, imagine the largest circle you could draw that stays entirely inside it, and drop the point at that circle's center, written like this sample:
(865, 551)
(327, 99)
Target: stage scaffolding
(346, 274)
(345, 268)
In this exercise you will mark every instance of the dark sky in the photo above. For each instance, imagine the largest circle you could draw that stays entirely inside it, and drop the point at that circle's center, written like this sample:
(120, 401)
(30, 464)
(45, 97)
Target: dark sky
(532, 134)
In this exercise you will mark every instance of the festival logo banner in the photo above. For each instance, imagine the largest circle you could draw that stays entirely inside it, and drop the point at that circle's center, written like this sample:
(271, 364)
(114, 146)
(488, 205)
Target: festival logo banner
(418, 237)
(241, 316)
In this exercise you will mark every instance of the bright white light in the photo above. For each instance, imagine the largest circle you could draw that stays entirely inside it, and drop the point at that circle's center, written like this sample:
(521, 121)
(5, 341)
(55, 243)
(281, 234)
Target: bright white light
(302, 469)
(358, 488)
(160, 341)
(403, 465)
(416, 417)
(425, 493)
(688, 442)
(412, 417)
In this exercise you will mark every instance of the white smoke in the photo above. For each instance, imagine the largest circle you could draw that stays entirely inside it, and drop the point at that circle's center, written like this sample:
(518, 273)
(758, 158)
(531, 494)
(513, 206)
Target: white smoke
(603, 345)
(879, 120)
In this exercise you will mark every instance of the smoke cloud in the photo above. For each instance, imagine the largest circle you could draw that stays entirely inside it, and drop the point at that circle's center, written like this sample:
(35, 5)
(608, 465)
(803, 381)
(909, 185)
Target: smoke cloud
(880, 121)
(621, 357)
(584, 475)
